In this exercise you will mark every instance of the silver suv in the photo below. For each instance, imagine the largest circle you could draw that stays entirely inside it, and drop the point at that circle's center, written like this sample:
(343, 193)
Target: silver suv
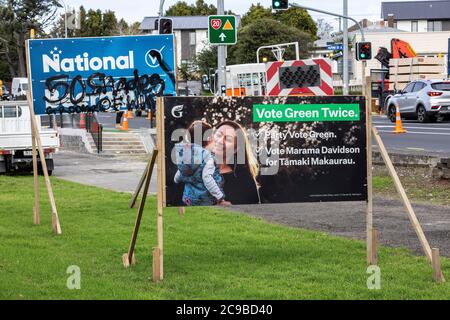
(424, 100)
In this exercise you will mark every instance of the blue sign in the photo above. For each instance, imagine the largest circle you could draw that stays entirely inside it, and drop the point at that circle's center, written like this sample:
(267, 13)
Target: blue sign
(101, 74)
(335, 47)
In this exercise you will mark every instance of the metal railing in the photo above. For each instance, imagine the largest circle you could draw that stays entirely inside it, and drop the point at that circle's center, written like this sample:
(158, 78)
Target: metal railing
(95, 128)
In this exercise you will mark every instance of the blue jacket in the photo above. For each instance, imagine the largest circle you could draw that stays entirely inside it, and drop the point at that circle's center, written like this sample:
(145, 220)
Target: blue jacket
(203, 183)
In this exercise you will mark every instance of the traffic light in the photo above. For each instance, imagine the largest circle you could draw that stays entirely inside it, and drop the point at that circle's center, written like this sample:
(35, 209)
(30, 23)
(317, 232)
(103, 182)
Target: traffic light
(165, 26)
(363, 51)
(280, 4)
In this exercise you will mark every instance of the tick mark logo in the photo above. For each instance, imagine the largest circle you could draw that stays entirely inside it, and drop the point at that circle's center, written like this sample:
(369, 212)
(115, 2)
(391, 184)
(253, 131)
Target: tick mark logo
(216, 24)
(153, 57)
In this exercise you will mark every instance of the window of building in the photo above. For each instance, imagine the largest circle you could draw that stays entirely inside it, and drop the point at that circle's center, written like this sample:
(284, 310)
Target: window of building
(434, 26)
(192, 40)
(414, 26)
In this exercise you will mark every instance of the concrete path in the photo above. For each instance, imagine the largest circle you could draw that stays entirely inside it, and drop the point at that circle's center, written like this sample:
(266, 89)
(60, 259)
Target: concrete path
(114, 173)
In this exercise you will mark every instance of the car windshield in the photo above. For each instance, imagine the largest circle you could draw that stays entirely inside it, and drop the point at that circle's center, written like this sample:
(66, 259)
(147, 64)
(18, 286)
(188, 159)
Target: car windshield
(442, 86)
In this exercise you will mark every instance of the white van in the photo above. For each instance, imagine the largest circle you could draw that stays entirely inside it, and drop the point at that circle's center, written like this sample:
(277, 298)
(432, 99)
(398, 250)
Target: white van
(19, 87)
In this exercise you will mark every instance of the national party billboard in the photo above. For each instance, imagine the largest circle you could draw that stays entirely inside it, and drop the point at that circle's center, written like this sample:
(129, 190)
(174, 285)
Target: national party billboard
(250, 150)
(101, 74)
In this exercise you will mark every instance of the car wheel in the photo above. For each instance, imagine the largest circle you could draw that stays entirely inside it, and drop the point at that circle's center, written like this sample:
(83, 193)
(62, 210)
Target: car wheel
(422, 114)
(391, 113)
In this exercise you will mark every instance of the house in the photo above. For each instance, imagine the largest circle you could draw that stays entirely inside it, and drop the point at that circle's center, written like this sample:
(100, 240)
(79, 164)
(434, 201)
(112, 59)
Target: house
(417, 16)
(191, 34)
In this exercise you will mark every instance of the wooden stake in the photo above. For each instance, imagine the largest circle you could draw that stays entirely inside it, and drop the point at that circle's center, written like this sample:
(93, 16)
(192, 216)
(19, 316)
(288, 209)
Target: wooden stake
(371, 251)
(157, 276)
(128, 258)
(34, 129)
(436, 262)
(139, 187)
(401, 191)
(374, 247)
(37, 197)
(158, 264)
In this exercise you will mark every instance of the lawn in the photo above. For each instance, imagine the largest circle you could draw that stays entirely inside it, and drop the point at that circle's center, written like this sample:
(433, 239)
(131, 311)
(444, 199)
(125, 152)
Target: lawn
(418, 184)
(209, 254)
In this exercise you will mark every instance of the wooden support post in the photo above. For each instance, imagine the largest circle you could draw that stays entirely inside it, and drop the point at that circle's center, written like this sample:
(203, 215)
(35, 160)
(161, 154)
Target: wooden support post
(371, 250)
(374, 255)
(139, 187)
(401, 191)
(436, 262)
(157, 276)
(128, 258)
(37, 197)
(158, 264)
(34, 130)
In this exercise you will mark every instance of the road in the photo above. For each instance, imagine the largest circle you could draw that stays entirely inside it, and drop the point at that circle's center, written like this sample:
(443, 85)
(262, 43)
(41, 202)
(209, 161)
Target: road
(108, 119)
(427, 138)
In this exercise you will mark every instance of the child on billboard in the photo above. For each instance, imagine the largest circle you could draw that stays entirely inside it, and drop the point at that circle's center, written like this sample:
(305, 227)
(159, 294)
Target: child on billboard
(197, 168)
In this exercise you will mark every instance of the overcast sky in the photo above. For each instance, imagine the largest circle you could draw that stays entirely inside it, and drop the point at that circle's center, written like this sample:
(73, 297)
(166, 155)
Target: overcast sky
(135, 10)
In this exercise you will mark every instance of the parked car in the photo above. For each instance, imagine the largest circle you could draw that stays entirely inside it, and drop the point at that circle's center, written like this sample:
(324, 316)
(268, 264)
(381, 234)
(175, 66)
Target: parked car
(422, 100)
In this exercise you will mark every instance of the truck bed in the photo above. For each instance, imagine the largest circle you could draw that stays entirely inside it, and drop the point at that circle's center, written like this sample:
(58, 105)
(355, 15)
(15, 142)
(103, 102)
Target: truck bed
(22, 141)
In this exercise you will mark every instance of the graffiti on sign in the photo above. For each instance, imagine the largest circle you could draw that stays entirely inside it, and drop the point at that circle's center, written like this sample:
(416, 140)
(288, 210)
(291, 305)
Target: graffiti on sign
(71, 76)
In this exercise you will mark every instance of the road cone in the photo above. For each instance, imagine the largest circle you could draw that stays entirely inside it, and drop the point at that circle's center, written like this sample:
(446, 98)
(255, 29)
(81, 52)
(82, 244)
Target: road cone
(398, 121)
(130, 114)
(124, 126)
(82, 121)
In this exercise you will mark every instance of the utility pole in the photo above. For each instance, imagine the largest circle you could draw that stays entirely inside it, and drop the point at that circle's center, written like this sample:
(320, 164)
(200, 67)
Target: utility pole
(345, 43)
(161, 8)
(221, 54)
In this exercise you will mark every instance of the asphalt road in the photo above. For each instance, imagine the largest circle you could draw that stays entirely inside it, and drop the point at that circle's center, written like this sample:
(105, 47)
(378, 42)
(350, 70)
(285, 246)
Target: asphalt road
(426, 137)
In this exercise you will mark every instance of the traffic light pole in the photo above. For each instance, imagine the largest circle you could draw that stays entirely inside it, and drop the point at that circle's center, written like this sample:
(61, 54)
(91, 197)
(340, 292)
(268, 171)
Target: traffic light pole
(346, 75)
(221, 55)
(345, 17)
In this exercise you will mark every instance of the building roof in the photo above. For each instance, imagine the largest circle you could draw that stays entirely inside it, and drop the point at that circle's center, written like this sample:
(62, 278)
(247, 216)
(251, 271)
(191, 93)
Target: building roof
(416, 10)
(181, 23)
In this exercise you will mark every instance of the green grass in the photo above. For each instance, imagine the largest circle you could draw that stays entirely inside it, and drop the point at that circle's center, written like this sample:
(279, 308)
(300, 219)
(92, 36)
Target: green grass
(418, 186)
(209, 254)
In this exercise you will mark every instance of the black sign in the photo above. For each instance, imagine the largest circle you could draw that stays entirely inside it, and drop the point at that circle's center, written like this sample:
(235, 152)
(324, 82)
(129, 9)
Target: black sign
(250, 150)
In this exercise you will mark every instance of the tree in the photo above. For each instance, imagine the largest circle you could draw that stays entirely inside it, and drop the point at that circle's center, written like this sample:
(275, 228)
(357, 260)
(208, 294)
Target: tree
(324, 29)
(255, 13)
(187, 71)
(82, 23)
(109, 23)
(17, 18)
(298, 18)
(94, 24)
(206, 59)
(200, 8)
(267, 32)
